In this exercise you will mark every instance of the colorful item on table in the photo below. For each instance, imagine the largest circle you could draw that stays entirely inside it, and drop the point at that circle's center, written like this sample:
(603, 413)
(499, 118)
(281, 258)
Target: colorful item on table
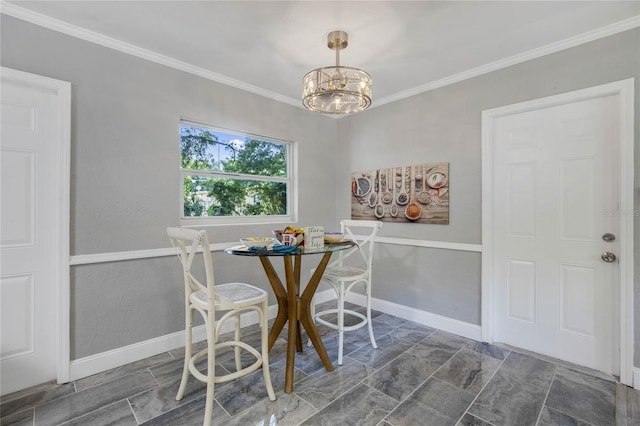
(277, 248)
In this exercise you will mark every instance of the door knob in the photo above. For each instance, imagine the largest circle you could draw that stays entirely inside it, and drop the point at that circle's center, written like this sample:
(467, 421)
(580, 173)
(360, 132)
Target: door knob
(608, 257)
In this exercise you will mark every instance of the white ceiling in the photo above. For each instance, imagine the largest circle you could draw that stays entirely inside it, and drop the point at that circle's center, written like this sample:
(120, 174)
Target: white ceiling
(267, 46)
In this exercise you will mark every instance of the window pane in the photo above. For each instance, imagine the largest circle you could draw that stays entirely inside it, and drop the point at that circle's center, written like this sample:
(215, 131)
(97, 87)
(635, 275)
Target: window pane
(205, 196)
(205, 149)
(228, 174)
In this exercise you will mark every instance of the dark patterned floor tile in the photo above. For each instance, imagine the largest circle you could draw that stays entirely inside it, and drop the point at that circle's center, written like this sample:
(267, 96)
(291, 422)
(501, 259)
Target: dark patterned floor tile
(114, 373)
(118, 414)
(551, 417)
(468, 370)
(21, 418)
(413, 332)
(435, 403)
(287, 409)
(559, 362)
(627, 405)
(189, 414)
(514, 395)
(583, 396)
(162, 399)
(389, 320)
(323, 387)
(402, 376)
(469, 420)
(439, 347)
(361, 338)
(361, 406)
(243, 393)
(75, 405)
(426, 372)
(533, 371)
(31, 397)
(179, 352)
(389, 348)
(487, 349)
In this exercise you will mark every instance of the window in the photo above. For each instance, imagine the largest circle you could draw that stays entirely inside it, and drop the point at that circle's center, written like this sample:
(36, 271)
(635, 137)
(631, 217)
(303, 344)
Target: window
(231, 177)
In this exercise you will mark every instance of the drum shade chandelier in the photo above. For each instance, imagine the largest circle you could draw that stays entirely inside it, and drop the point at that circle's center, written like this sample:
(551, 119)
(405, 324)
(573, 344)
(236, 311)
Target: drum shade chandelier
(336, 90)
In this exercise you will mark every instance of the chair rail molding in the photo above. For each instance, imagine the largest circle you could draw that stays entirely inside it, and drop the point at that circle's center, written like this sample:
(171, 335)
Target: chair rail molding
(430, 244)
(88, 259)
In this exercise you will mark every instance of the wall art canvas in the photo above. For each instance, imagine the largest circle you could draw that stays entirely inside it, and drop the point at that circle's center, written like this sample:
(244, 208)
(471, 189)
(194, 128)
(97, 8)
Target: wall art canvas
(413, 194)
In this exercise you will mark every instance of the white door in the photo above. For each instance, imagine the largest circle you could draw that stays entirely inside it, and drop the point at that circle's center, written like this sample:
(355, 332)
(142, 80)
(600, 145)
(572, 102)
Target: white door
(32, 188)
(556, 193)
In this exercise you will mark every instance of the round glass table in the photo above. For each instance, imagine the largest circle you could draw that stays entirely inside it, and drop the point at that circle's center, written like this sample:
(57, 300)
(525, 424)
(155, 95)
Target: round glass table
(293, 307)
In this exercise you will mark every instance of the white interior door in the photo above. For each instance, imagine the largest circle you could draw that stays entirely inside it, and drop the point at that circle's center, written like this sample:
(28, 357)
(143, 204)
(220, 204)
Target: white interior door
(556, 193)
(31, 232)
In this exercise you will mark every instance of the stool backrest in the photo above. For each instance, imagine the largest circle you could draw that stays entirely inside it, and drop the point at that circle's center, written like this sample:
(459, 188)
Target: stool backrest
(363, 233)
(188, 243)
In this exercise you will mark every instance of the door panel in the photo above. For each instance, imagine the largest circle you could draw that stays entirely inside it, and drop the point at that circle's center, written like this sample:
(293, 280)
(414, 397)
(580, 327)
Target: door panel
(577, 198)
(18, 334)
(522, 199)
(578, 292)
(553, 177)
(521, 291)
(18, 204)
(31, 180)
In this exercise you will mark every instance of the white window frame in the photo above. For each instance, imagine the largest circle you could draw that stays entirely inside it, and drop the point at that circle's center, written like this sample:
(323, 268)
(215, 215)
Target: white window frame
(289, 180)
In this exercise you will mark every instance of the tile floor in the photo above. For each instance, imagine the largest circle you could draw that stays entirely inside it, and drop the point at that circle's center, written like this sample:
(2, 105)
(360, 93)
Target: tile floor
(418, 376)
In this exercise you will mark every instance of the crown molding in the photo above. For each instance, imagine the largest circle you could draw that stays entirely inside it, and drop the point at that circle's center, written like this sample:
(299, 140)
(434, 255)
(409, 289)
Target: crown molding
(24, 14)
(97, 38)
(587, 37)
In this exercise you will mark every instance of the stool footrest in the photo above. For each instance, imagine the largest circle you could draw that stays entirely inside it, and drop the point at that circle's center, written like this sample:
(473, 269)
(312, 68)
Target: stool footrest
(225, 377)
(334, 326)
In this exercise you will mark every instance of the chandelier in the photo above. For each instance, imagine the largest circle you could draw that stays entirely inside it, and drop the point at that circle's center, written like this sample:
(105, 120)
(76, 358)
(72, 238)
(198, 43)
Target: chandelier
(336, 90)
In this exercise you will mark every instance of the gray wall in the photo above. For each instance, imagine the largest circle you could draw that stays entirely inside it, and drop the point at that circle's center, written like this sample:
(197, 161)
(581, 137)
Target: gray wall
(125, 182)
(445, 125)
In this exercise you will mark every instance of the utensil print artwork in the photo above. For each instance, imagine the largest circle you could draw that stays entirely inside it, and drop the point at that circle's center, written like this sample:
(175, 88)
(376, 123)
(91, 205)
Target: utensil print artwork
(394, 207)
(437, 180)
(403, 198)
(360, 185)
(379, 211)
(363, 186)
(387, 197)
(373, 197)
(412, 211)
(423, 196)
(422, 190)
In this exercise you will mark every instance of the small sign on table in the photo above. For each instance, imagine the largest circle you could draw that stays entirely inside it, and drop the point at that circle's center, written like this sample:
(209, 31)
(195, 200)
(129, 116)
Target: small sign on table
(314, 237)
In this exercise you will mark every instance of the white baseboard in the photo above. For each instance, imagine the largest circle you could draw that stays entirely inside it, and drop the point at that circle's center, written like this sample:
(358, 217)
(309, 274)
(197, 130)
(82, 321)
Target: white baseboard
(450, 325)
(636, 378)
(104, 361)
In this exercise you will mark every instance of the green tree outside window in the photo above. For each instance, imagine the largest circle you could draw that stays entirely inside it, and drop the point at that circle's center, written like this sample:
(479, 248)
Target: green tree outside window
(232, 175)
